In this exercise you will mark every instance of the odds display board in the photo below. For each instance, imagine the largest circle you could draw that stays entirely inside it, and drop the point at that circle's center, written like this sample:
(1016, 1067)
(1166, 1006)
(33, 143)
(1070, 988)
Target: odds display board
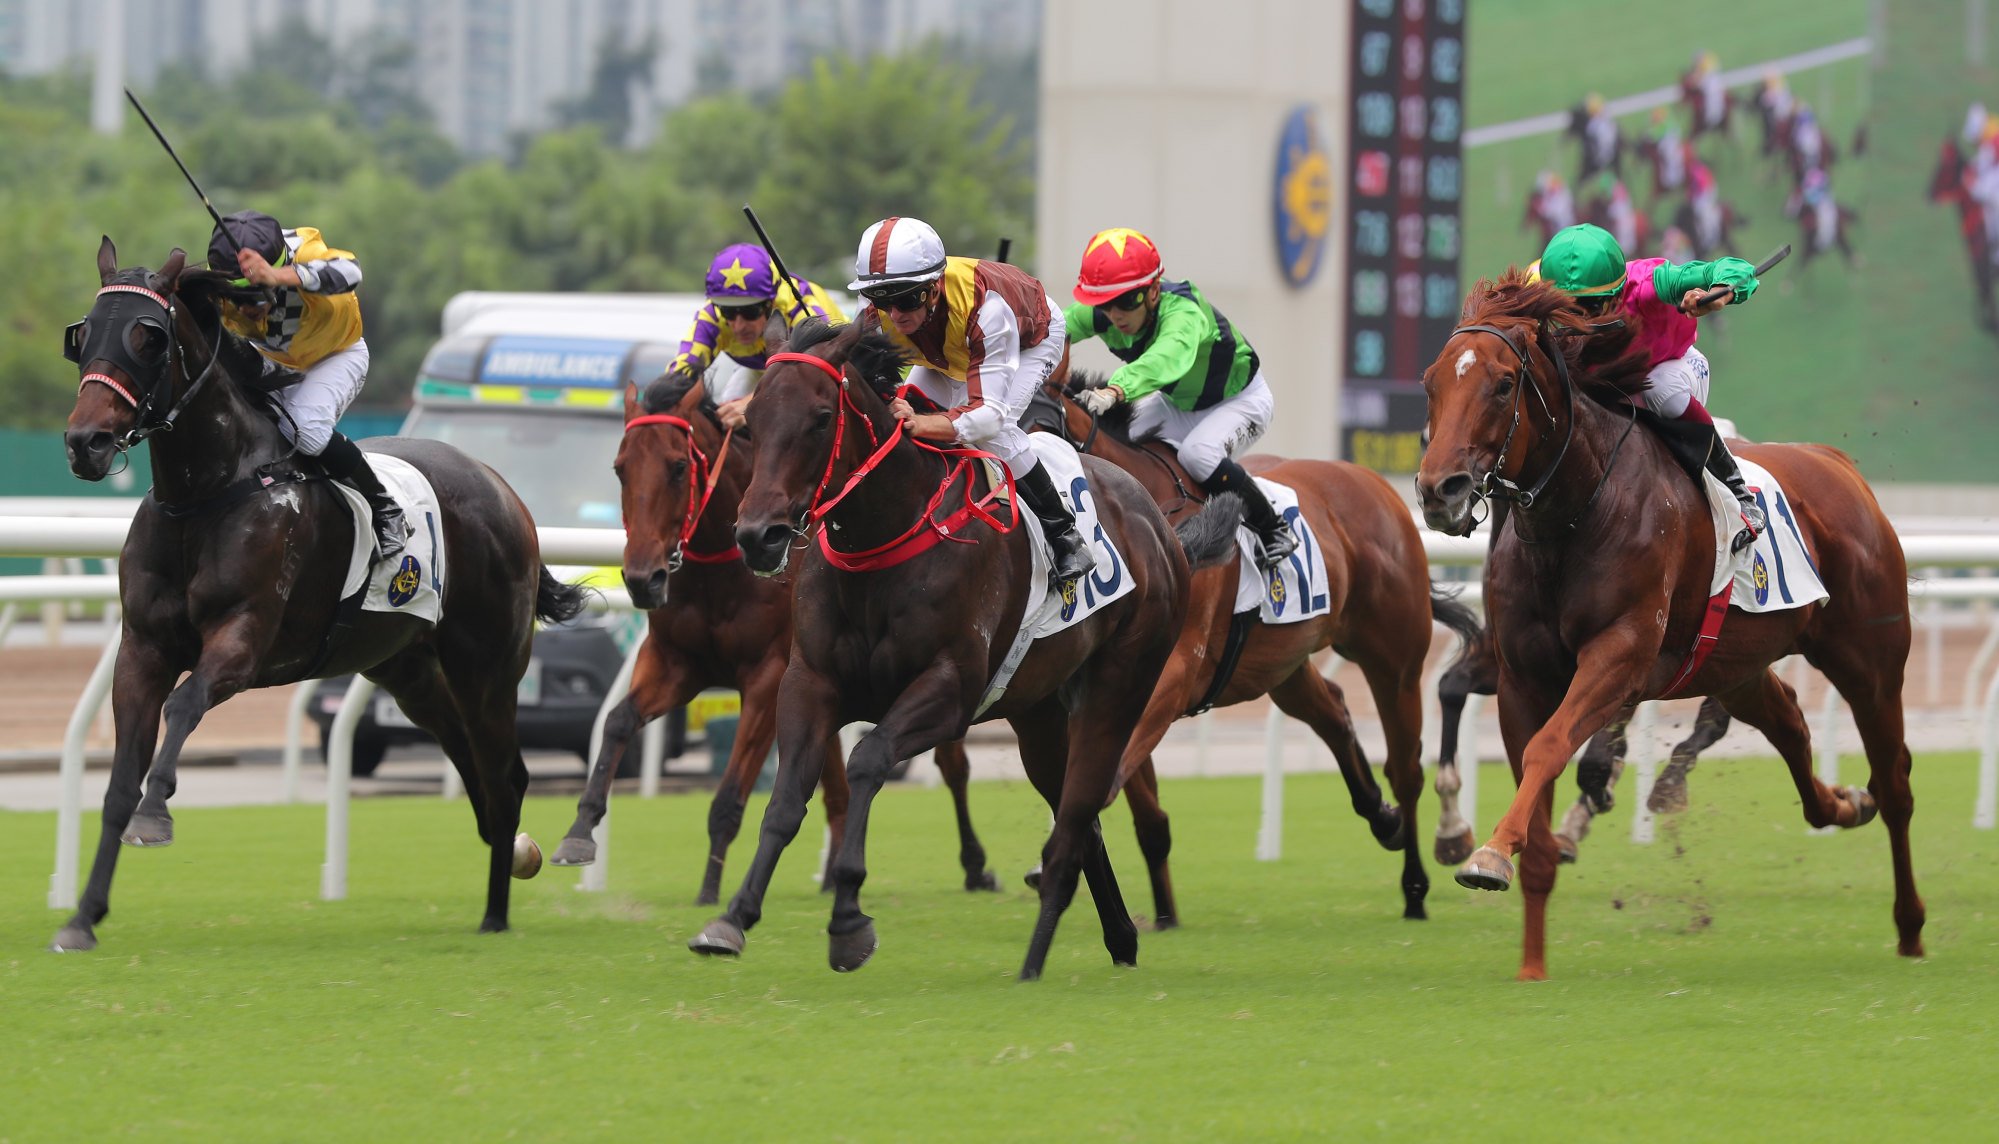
(1405, 182)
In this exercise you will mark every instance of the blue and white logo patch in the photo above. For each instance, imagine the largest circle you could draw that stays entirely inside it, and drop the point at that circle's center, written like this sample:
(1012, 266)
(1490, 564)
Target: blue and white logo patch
(403, 585)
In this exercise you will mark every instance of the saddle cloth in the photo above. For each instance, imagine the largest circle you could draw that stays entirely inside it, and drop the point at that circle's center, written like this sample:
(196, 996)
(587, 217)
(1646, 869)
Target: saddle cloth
(1774, 574)
(414, 585)
(1048, 612)
(1294, 590)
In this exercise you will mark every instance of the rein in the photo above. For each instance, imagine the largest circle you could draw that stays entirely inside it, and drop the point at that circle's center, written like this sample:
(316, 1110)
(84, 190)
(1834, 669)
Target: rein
(696, 506)
(1492, 486)
(1179, 486)
(926, 533)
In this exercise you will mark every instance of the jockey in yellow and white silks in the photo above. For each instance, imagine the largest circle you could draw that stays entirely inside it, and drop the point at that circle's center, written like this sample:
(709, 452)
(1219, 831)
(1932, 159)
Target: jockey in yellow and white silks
(310, 326)
(984, 336)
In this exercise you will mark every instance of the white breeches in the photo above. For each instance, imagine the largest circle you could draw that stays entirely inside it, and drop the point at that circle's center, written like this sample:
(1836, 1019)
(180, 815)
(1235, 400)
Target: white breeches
(316, 403)
(1209, 436)
(1676, 383)
(1007, 396)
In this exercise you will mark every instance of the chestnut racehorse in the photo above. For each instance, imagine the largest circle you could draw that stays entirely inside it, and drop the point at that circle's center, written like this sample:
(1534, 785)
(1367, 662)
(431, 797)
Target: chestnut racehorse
(1599, 584)
(1381, 605)
(710, 623)
(906, 603)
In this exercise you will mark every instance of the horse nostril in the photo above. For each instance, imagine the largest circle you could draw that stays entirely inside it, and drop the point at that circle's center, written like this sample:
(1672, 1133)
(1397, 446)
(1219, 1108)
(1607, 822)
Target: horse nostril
(656, 585)
(1455, 487)
(774, 537)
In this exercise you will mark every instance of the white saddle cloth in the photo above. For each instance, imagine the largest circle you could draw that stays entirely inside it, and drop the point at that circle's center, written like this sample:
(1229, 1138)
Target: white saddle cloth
(414, 584)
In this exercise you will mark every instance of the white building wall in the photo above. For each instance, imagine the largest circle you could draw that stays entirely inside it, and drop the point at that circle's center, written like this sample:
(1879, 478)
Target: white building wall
(1167, 121)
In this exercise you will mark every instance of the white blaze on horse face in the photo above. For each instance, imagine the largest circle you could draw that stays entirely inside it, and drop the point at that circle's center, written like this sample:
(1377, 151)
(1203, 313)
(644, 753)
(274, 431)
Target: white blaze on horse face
(1464, 361)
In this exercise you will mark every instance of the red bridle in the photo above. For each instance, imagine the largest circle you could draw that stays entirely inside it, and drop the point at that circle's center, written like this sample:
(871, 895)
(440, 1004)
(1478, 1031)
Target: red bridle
(696, 504)
(925, 533)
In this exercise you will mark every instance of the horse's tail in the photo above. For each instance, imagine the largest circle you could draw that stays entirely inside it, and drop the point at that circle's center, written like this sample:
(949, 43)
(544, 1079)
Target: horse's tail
(1448, 610)
(556, 602)
(1208, 537)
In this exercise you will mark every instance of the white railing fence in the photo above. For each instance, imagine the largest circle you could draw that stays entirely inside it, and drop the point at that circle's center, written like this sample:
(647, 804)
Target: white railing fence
(103, 537)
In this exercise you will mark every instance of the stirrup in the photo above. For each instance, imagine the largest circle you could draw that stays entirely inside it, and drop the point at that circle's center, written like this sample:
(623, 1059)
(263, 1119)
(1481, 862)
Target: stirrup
(1275, 548)
(1072, 540)
(1753, 524)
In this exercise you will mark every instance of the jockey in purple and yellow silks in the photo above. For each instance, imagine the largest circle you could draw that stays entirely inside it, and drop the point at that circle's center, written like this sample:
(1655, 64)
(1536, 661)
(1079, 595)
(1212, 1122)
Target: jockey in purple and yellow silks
(742, 285)
(1586, 262)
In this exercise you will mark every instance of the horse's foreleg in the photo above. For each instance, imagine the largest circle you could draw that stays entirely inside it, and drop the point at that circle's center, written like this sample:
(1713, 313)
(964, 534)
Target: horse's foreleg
(1475, 673)
(1669, 790)
(808, 708)
(139, 684)
(755, 729)
(956, 768)
(228, 663)
(660, 683)
(1155, 842)
(928, 712)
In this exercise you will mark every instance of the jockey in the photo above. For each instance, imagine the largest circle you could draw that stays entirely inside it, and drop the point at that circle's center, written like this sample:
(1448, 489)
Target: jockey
(984, 336)
(1600, 136)
(311, 324)
(1586, 262)
(1668, 158)
(1553, 204)
(1714, 93)
(742, 287)
(1704, 197)
(1190, 375)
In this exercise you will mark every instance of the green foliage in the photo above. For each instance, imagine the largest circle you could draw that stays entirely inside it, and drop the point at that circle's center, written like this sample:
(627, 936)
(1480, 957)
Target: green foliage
(1736, 980)
(344, 144)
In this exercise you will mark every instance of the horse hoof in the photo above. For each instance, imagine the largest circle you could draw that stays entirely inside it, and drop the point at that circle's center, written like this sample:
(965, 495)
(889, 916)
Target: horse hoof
(74, 938)
(1566, 851)
(708, 898)
(983, 880)
(1033, 878)
(1452, 849)
(527, 857)
(1864, 808)
(1390, 827)
(846, 952)
(575, 852)
(1667, 797)
(720, 937)
(493, 925)
(147, 830)
(1486, 869)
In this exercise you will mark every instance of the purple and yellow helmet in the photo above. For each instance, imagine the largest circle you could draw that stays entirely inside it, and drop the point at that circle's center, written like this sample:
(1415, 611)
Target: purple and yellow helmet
(741, 274)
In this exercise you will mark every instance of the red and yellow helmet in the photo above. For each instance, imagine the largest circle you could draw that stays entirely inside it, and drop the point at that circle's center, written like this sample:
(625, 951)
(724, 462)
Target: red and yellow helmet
(1116, 261)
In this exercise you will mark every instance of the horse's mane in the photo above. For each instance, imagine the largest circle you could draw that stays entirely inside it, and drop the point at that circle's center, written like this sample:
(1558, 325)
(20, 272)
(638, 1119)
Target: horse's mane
(664, 393)
(1117, 419)
(203, 291)
(873, 354)
(1605, 358)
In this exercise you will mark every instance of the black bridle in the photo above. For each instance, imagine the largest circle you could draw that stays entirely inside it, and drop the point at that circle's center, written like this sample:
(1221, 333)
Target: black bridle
(1493, 486)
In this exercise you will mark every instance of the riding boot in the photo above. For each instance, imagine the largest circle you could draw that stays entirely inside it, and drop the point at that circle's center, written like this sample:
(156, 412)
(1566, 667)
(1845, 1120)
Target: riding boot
(1275, 541)
(1071, 556)
(1722, 464)
(343, 461)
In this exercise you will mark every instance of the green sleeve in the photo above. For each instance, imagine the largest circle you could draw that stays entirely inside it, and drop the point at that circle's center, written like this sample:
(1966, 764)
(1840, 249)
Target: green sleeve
(1081, 321)
(1171, 355)
(1672, 282)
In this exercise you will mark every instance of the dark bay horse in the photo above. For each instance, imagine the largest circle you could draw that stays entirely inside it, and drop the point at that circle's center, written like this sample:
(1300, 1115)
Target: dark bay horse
(1476, 672)
(710, 623)
(913, 644)
(1598, 585)
(233, 568)
(1381, 605)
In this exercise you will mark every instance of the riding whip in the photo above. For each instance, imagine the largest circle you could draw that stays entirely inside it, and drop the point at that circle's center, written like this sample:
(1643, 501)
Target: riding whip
(1006, 248)
(1762, 268)
(175, 156)
(775, 261)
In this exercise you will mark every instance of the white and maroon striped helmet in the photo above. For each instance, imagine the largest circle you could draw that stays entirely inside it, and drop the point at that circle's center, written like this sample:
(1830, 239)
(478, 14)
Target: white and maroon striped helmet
(897, 250)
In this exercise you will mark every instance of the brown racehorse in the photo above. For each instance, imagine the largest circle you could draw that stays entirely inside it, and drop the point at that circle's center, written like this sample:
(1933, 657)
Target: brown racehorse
(1598, 586)
(710, 623)
(907, 605)
(233, 568)
(1381, 605)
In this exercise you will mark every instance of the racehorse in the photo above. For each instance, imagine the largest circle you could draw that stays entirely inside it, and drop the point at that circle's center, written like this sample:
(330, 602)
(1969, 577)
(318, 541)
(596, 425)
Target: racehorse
(1596, 591)
(710, 623)
(1950, 182)
(909, 602)
(1701, 118)
(1380, 607)
(1711, 237)
(1476, 672)
(233, 568)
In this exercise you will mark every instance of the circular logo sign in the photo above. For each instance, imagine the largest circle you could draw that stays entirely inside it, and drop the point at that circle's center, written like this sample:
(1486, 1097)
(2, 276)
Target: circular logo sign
(1302, 195)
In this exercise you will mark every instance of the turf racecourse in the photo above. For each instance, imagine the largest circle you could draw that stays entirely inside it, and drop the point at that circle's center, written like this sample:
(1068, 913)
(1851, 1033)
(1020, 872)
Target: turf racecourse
(1735, 980)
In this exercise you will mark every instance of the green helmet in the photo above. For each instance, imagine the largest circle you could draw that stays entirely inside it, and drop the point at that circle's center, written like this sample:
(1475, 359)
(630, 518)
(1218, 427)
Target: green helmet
(1583, 261)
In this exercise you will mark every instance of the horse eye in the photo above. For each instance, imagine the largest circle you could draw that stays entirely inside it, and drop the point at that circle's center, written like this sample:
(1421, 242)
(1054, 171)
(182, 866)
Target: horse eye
(823, 421)
(147, 342)
(1504, 388)
(676, 469)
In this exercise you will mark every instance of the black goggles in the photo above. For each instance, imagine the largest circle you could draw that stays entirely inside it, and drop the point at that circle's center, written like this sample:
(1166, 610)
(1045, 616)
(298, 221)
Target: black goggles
(748, 312)
(1125, 303)
(903, 299)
